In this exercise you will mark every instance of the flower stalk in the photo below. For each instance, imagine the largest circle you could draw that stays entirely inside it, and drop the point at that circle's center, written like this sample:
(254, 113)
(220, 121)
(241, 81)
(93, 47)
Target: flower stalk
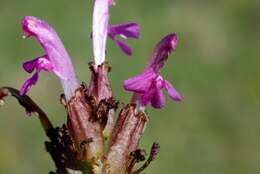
(29, 105)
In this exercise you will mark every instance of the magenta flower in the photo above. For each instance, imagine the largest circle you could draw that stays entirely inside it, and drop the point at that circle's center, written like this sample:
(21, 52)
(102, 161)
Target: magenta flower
(56, 58)
(150, 83)
(129, 30)
(100, 30)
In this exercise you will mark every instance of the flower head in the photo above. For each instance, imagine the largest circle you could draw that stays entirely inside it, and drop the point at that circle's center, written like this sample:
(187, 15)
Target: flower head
(150, 83)
(56, 58)
(101, 29)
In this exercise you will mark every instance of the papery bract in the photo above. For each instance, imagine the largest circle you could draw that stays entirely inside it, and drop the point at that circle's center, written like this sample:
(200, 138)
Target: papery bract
(125, 139)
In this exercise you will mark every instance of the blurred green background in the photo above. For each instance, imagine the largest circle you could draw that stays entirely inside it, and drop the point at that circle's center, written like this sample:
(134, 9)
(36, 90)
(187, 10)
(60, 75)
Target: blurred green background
(216, 68)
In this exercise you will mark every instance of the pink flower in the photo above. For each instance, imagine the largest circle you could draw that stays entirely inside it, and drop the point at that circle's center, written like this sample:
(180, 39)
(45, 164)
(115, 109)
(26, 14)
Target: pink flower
(150, 83)
(128, 30)
(56, 58)
(101, 29)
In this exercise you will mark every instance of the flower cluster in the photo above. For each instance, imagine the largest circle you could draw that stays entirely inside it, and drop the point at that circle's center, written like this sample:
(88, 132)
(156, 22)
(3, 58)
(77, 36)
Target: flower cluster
(79, 146)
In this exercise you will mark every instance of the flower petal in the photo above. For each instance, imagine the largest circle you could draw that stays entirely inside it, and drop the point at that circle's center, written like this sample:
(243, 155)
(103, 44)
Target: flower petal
(140, 83)
(146, 96)
(30, 65)
(124, 47)
(99, 29)
(173, 93)
(154, 94)
(158, 100)
(29, 83)
(38, 63)
(51, 44)
(128, 30)
(43, 63)
(162, 50)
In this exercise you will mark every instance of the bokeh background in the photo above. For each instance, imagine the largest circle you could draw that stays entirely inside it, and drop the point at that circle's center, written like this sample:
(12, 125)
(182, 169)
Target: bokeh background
(216, 68)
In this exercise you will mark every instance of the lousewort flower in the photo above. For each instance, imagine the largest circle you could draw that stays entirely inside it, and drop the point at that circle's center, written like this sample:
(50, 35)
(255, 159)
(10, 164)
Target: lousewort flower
(101, 28)
(148, 86)
(56, 58)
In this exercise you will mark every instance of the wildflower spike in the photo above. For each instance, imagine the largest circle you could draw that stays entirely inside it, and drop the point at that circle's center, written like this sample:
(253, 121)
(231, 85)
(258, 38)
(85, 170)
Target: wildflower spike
(56, 58)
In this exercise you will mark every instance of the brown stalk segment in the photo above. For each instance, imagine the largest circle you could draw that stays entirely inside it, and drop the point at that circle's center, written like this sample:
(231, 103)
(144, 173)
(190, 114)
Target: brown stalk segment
(125, 139)
(137, 156)
(153, 154)
(84, 127)
(63, 152)
(29, 105)
(100, 88)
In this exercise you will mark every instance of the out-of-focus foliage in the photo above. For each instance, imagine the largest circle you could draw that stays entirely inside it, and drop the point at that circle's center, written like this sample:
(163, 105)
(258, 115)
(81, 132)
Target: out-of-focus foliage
(216, 68)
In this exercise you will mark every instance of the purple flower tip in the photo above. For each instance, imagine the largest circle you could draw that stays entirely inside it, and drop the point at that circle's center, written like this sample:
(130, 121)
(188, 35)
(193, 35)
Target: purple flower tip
(128, 30)
(150, 83)
(32, 26)
(37, 64)
(29, 83)
(162, 51)
(56, 58)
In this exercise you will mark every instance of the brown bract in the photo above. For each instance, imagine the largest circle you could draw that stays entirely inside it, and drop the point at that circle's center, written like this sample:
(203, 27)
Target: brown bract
(85, 127)
(125, 139)
(100, 88)
(99, 85)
